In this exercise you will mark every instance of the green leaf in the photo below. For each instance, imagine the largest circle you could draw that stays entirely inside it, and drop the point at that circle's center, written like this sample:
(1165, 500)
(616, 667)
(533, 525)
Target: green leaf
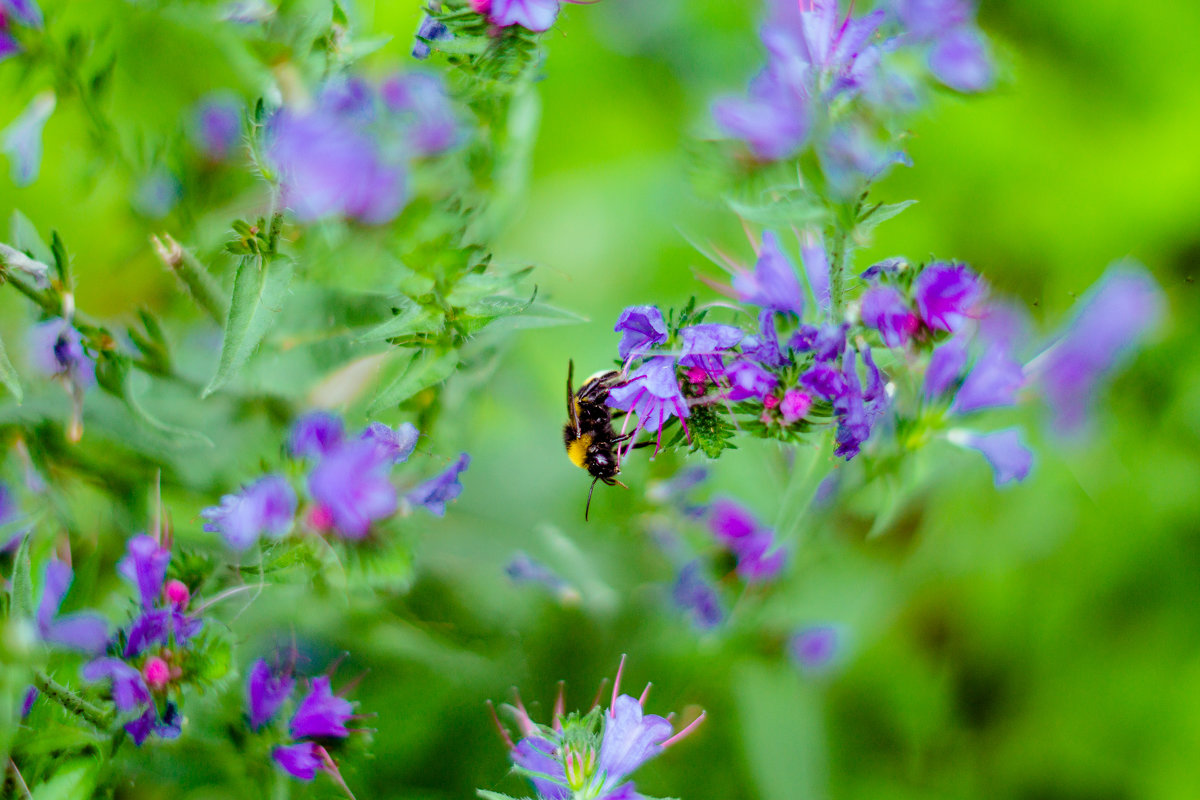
(461, 45)
(173, 432)
(412, 319)
(75, 780)
(25, 237)
(486, 795)
(802, 211)
(472, 287)
(22, 580)
(62, 261)
(782, 731)
(8, 375)
(259, 289)
(878, 213)
(423, 371)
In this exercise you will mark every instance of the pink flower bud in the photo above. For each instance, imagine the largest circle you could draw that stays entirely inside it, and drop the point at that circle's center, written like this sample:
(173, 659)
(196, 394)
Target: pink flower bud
(177, 593)
(770, 401)
(697, 376)
(157, 673)
(795, 405)
(320, 518)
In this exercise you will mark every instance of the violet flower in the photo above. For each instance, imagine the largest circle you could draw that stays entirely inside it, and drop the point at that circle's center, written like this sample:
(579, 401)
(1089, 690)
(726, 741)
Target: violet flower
(84, 632)
(885, 309)
(1108, 322)
(753, 545)
(394, 444)
(992, 383)
(704, 344)
(652, 394)
(21, 141)
(315, 434)
(1010, 459)
(852, 156)
(265, 507)
(749, 381)
(945, 367)
(321, 713)
(816, 268)
(534, 15)
(764, 348)
(525, 570)
(56, 350)
(299, 760)
(947, 295)
(434, 493)
(266, 691)
(145, 566)
(129, 692)
(429, 30)
(217, 126)
(25, 12)
(168, 726)
(351, 484)
(773, 119)
(773, 283)
(424, 110)
(641, 328)
(693, 594)
(815, 648)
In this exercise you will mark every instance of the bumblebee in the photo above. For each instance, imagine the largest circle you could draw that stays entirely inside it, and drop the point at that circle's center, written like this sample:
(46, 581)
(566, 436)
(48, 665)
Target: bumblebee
(591, 442)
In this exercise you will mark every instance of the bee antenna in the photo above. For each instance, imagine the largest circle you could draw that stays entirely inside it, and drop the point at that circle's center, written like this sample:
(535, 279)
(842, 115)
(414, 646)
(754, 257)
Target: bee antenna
(588, 507)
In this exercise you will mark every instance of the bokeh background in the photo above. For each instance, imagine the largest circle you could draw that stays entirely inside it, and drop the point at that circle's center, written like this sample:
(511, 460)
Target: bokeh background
(1040, 642)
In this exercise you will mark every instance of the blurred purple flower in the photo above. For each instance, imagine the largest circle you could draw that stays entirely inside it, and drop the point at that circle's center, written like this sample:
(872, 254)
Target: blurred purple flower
(429, 30)
(1009, 457)
(524, 570)
(885, 309)
(693, 594)
(395, 444)
(217, 125)
(145, 566)
(315, 434)
(816, 268)
(889, 266)
(129, 692)
(735, 528)
(1108, 322)
(266, 690)
(773, 283)
(852, 156)
(652, 394)
(31, 694)
(535, 15)
(299, 760)
(321, 713)
(704, 344)
(156, 193)
(8, 45)
(960, 59)
(537, 756)
(169, 726)
(945, 367)
(765, 348)
(992, 383)
(947, 295)
(425, 112)
(815, 648)
(25, 12)
(641, 328)
(857, 407)
(266, 506)
(56, 350)
(773, 119)
(351, 483)
(827, 341)
(22, 139)
(434, 493)
(85, 632)
(747, 380)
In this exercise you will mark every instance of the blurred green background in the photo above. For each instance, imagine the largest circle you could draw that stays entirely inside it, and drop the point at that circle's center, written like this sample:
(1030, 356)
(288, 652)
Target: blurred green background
(1040, 643)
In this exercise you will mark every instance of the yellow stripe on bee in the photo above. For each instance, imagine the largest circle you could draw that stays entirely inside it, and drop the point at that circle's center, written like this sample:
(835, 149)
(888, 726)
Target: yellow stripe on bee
(577, 450)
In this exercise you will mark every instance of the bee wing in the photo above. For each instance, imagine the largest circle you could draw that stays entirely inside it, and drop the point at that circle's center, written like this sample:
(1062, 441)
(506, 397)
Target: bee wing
(572, 414)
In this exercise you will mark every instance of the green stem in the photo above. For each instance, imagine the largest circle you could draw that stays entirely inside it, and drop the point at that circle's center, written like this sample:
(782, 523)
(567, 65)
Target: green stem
(802, 487)
(69, 700)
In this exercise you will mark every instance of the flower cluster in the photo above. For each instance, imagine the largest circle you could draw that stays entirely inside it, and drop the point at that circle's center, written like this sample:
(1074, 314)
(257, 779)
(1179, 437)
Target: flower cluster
(534, 15)
(318, 722)
(148, 660)
(347, 154)
(591, 756)
(349, 484)
(23, 14)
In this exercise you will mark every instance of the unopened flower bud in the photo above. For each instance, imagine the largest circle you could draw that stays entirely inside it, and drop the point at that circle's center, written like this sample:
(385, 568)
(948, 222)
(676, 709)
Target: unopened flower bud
(156, 673)
(177, 593)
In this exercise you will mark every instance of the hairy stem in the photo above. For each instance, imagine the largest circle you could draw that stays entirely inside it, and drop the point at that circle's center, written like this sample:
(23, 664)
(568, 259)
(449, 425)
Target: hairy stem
(69, 700)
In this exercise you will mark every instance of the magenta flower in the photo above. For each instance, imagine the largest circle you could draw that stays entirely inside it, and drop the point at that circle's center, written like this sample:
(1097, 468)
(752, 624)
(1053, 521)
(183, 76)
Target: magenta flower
(84, 632)
(947, 295)
(652, 394)
(773, 283)
(641, 328)
(794, 405)
(351, 484)
(885, 309)
(434, 493)
(535, 15)
(265, 507)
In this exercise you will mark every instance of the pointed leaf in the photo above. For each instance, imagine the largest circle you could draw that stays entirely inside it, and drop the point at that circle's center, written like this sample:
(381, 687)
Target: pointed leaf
(423, 371)
(22, 580)
(25, 237)
(880, 213)
(75, 780)
(8, 375)
(412, 319)
(259, 289)
(172, 432)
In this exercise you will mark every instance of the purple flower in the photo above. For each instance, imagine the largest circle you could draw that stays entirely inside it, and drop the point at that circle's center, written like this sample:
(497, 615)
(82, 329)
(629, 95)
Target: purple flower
(747, 380)
(704, 344)
(697, 596)
(298, 760)
(652, 394)
(889, 266)
(429, 30)
(737, 529)
(424, 110)
(945, 366)
(22, 139)
(825, 380)
(535, 15)
(960, 60)
(394, 444)
(25, 12)
(145, 566)
(946, 295)
(129, 691)
(31, 694)
(351, 483)
(266, 506)
(1010, 459)
(523, 569)
(537, 756)
(168, 727)
(641, 328)
(852, 156)
(773, 284)
(217, 126)
(631, 738)
(56, 350)
(815, 648)
(321, 714)
(773, 120)
(87, 633)
(826, 342)
(8, 508)
(765, 348)
(816, 268)
(8, 45)
(928, 19)
(434, 493)
(315, 434)
(159, 626)
(330, 164)
(857, 408)
(992, 383)
(266, 690)
(1109, 321)
(885, 309)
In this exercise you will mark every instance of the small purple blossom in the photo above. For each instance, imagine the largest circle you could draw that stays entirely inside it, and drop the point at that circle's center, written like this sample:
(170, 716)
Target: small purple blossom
(1010, 459)
(889, 266)
(1108, 322)
(56, 350)
(815, 648)
(773, 283)
(826, 342)
(84, 632)
(169, 726)
(265, 507)
(992, 383)
(524, 570)
(129, 692)
(749, 381)
(429, 30)
(773, 119)
(315, 434)
(8, 45)
(885, 309)
(434, 493)
(765, 348)
(534, 15)
(631, 738)
(737, 529)
(693, 594)
(21, 141)
(652, 394)
(641, 328)
(960, 60)
(395, 444)
(321, 713)
(794, 405)
(426, 115)
(299, 760)
(145, 566)
(945, 367)
(704, 344)
(816, 268)
(351, 484)
(947, 295)
(217, 126)
(266, 691)
(25, 12)
(537, 756)
(852, 156)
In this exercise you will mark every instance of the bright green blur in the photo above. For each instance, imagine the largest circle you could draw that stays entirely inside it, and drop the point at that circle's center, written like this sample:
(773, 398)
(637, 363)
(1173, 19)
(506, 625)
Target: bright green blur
(1036, 643)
